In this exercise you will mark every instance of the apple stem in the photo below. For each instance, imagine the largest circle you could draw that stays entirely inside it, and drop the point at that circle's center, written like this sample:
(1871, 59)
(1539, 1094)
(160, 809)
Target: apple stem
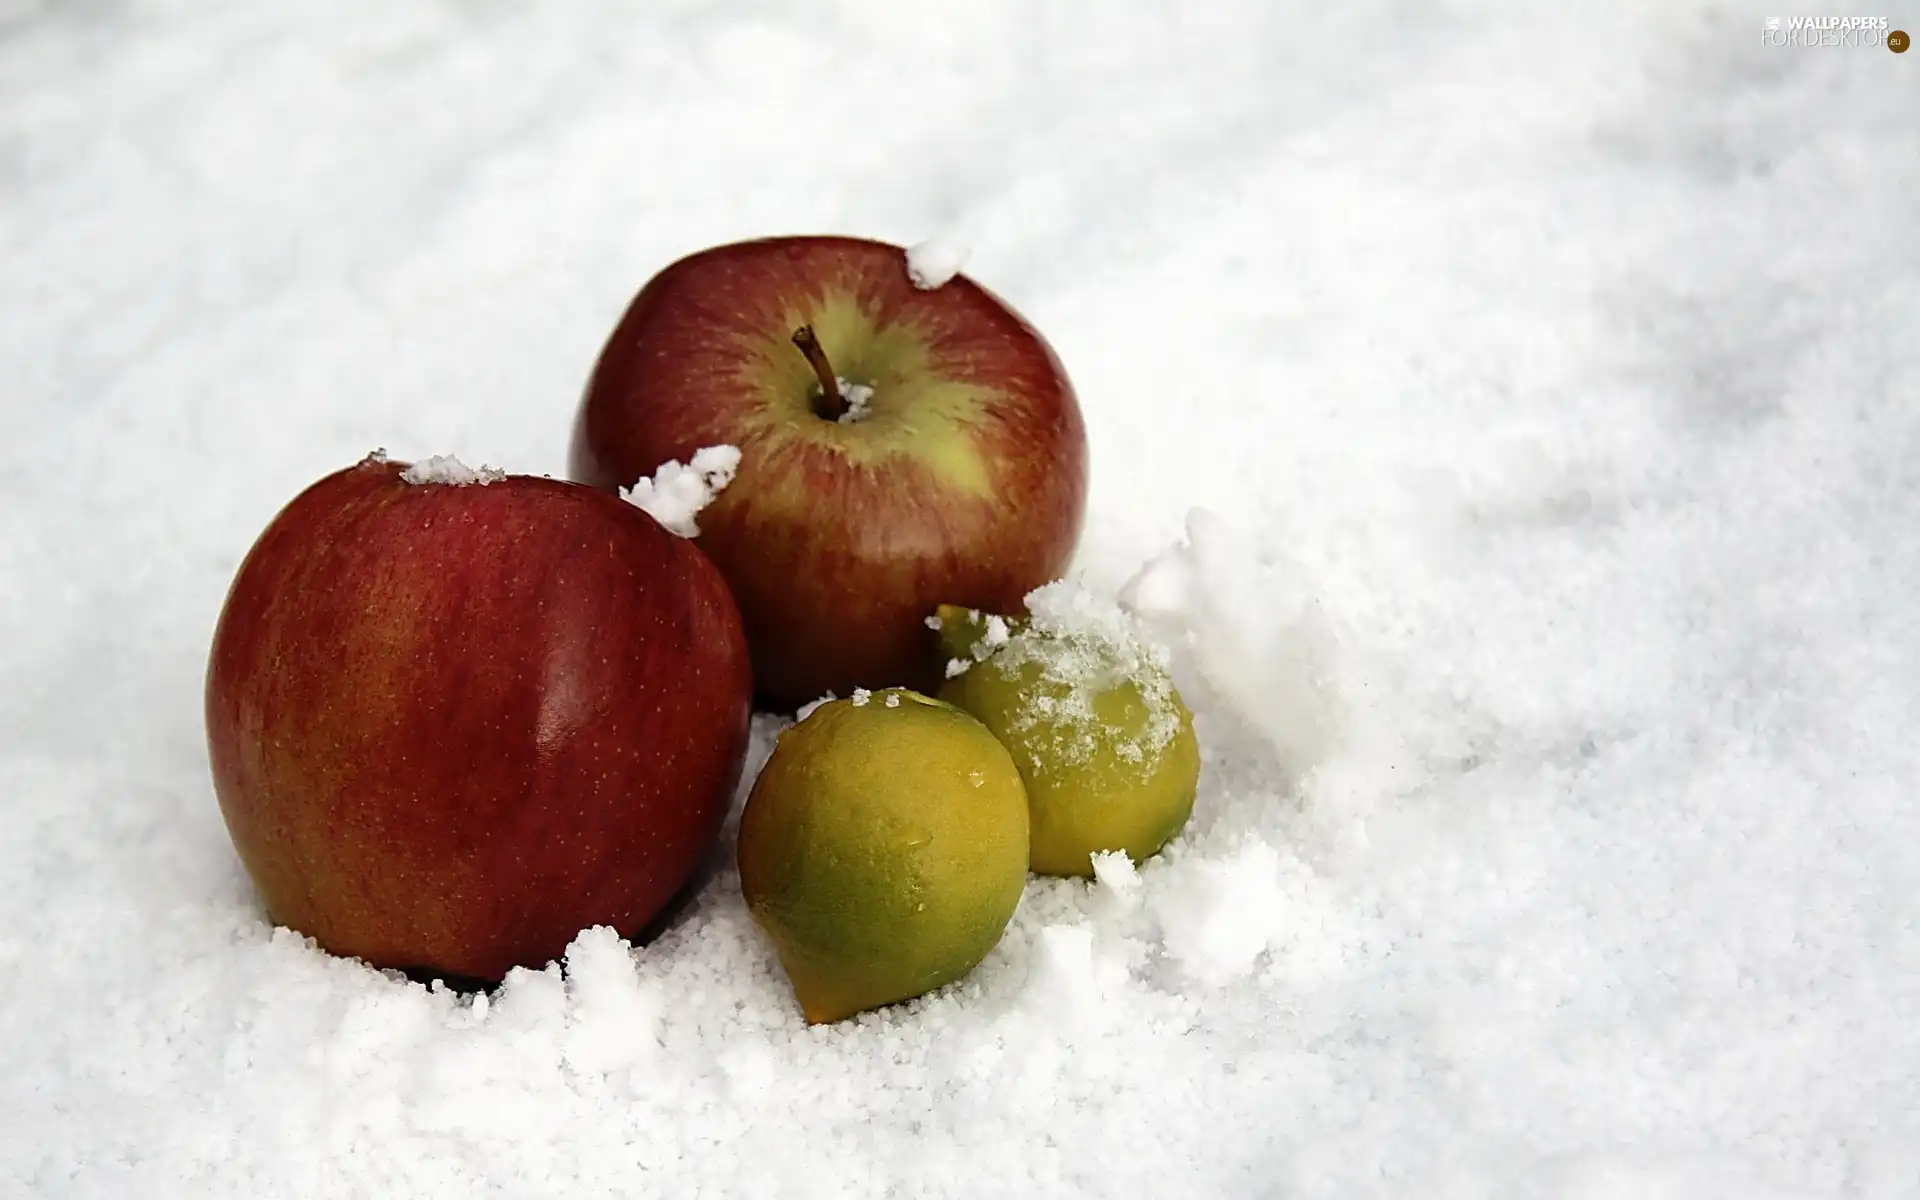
(830, 405)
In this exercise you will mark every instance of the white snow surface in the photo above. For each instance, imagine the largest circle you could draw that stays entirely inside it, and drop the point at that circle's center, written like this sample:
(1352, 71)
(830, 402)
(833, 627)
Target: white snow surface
(1547, 373)
(1250, 641)
(676, 492)
(931, 263)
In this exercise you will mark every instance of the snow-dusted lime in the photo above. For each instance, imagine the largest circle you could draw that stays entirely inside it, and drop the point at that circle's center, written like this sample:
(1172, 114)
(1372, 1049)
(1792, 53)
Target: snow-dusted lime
(1101, 737)
(883, 850)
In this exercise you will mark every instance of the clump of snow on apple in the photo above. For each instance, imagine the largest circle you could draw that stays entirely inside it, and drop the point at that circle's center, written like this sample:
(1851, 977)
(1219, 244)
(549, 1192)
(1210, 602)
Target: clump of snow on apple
(677, 492)
(1076, 648)
(893, 699)
(933, 262)
(446, 469)
(859, 398)
(860, 697)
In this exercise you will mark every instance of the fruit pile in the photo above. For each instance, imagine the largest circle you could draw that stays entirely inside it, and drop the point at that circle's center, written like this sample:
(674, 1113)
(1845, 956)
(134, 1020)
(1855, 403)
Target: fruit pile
(455, 716)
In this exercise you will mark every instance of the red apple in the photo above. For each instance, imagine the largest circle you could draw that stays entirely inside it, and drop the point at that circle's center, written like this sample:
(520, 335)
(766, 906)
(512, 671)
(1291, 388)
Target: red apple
(453, 725)
(963, 481)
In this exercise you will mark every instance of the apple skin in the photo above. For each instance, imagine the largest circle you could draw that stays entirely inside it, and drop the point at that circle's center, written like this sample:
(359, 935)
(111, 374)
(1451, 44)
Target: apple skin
(452, 726)
(966, 483)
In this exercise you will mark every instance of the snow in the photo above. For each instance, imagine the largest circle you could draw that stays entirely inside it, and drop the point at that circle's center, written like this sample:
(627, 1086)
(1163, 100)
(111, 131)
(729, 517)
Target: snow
(676, 493)
(931, 263)
(812, 706)
(1218, 918)
(1542, 375)
(446, 469)
(1079, 646)
(1251, 639)
(859, 398)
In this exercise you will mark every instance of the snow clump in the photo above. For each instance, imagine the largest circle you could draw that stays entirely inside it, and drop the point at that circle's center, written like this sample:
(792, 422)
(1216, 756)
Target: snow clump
(446, 469)
(859, 398)
(676, 493)
(933, 262)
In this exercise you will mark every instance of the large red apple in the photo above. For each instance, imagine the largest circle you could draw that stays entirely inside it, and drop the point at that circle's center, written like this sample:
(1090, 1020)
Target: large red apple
(452, 725)
(958, 477)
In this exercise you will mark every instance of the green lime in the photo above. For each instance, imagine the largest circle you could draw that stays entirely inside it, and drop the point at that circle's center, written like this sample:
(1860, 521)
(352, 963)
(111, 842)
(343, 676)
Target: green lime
(883, 849)
(1102, 739)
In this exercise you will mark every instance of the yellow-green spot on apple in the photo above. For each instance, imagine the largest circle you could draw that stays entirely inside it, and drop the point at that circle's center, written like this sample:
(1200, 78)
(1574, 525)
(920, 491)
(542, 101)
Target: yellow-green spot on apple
(1103, 741)
(913, 413)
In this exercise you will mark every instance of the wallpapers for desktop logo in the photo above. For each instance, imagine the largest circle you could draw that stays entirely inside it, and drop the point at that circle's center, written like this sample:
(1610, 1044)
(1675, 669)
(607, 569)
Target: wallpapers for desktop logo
(1833, 31)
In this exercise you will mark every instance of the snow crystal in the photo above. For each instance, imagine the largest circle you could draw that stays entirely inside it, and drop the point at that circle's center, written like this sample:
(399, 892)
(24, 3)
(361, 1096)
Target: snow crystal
(893, 700)
(1218, 917)
(931, 263)
(934, 623)
(446, 469)
(859, 398)
(612, 1015)
(1272, 661)
(1118, 888)
(994, 631)
(861, 696)
(1114, 871)
(813, 706)
(676, 493)
(1074, 982)
(1079, 647)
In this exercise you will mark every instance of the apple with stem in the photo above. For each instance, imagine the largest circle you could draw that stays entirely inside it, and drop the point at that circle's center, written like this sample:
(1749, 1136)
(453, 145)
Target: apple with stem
(456, 716)
(902, 446)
